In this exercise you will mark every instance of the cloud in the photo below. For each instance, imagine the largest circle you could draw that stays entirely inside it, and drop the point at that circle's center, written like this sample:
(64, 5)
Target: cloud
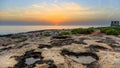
(52, 12)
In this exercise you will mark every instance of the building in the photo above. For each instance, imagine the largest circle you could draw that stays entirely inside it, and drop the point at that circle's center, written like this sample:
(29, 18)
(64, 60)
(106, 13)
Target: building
(115, 23)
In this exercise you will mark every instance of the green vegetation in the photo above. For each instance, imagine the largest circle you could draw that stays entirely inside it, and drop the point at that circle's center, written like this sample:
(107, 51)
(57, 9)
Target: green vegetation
(47, 35)
(82, 31)
(110, 30)
(105, 30)
(22, 40)
(64, 33)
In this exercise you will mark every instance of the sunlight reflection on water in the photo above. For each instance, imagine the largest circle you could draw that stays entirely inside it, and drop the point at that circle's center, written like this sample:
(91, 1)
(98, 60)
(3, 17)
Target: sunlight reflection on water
(17, 29)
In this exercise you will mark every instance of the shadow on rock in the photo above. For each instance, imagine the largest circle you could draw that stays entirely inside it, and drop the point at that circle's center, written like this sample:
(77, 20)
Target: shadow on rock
(81, 57)
(41, 46)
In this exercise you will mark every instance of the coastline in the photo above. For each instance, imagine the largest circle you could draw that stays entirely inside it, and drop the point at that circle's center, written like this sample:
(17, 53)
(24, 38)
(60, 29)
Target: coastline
(18, 29)
(56, 48)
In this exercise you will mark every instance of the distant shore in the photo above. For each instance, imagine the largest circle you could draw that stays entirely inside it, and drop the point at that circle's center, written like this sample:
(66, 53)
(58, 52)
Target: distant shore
(88, 30)
(18, 29)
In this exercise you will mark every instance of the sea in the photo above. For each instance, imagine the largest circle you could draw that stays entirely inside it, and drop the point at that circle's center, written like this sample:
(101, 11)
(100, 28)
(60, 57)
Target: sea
(18, 29)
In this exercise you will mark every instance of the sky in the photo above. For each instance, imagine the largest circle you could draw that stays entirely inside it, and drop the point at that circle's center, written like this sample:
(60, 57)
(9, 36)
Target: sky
(59, 12)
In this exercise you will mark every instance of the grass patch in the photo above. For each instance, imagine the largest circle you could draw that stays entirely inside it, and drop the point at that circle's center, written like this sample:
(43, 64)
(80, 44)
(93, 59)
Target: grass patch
(82, 31)
(64, 33)
(110, 30)
(47, 35)
(105, 30)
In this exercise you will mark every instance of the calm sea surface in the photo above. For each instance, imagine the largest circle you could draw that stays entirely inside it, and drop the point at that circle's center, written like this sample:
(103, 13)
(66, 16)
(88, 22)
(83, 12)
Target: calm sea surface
(18, 29)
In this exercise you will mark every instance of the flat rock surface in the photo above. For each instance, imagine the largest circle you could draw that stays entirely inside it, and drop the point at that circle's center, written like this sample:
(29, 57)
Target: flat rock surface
(83, 51)
(83, 59)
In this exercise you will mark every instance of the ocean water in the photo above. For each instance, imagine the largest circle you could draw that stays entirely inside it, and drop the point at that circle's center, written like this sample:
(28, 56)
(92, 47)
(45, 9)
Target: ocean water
(18, 29)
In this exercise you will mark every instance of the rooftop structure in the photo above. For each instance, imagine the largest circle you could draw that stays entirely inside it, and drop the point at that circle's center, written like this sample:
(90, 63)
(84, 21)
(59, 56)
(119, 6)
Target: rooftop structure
(115, 23)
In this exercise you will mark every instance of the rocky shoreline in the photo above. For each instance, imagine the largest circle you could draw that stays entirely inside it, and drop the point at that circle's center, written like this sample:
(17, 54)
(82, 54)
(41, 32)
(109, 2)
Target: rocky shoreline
(48, 49)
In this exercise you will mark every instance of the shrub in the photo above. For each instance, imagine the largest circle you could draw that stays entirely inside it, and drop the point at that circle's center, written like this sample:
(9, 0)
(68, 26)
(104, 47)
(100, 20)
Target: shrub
(64, 33)
(111, 32)
(104, 29)
(118, 29)
(90, 30)
(76, 31)
(47, 35)
(82, 31)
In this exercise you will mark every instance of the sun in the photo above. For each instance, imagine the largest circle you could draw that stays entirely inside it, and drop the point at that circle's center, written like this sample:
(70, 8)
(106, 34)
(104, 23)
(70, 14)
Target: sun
(56, 18)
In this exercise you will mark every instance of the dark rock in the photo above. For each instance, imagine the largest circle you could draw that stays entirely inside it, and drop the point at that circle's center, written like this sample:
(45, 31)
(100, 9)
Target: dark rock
(108, 41)
(8, 35)
(81, 41)
(116, 47)
(29, 54)
(49, 62)
(52, 66)
(93, 65)
(61, 37)
(39, 62)
(96, 48)
(61, 42)
(25, 43)
(41, 46)
(22, 45)
(66, 52)
(3, 49)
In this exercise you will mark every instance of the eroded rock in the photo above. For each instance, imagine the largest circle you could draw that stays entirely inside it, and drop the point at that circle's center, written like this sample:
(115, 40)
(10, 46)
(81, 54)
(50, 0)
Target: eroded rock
(81, 57)
(30, 56)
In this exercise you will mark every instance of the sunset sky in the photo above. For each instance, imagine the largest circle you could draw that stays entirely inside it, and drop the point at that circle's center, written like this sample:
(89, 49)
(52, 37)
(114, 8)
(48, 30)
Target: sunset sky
(59, 12)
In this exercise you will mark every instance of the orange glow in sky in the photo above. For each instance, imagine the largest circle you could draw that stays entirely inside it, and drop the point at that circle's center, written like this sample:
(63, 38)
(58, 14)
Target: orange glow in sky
(53, 13)
(59, 11)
